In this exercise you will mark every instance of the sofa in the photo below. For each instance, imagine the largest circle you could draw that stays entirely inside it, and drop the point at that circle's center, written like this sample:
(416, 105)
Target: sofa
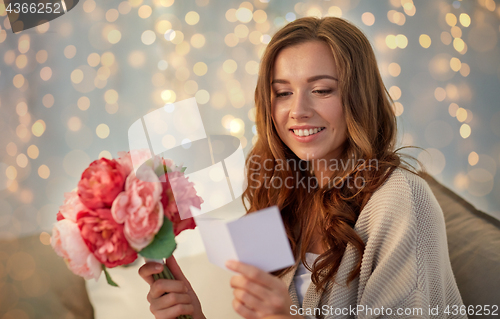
(36, 284)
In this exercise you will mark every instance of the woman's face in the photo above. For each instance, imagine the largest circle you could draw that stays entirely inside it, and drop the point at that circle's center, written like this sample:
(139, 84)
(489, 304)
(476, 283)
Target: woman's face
(306, 106)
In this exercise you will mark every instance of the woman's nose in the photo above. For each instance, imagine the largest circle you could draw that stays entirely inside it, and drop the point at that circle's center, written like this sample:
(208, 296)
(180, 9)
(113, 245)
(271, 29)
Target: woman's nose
(300, 106)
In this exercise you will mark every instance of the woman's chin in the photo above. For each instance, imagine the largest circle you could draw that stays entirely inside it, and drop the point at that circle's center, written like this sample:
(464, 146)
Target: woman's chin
(308, 156)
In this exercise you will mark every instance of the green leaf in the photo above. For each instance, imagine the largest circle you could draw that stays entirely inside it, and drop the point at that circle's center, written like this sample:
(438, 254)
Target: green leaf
(183, 169)
(163, 244)
(108, 277)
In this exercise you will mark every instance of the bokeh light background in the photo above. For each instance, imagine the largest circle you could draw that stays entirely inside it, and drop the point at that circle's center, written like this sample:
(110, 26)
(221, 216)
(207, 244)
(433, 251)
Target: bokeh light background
(70, 88)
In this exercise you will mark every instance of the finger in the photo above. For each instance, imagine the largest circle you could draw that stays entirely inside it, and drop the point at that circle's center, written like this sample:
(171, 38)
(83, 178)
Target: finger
(243, 310)
(176, 270)
(161, 286)
(248, 299)
(253, 273)
(170, 300)
(175, 311)
(148, 269)
(243, 283)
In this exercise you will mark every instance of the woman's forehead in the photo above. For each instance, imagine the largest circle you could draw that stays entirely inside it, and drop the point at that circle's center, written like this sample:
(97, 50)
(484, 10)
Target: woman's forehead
(304, 60)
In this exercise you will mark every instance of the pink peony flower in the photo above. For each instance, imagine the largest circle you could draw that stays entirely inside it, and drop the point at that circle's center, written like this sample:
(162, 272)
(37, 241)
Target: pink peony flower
(104, 237)
(177, 209)
(127, 161)
(139, 208)
(131, 161)
(71, 206)
(68, 243)
(101, 182)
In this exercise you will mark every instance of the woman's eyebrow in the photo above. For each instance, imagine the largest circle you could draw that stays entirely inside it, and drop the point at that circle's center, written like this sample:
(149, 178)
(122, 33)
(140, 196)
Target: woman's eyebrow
(311, 79)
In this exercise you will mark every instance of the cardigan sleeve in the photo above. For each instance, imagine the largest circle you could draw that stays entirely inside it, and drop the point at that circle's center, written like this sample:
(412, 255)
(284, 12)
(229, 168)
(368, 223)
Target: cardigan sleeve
(406, 271)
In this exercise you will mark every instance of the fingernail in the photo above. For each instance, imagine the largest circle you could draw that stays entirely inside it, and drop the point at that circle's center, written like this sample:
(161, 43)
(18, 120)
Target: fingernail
(230, 264)
(159, 267)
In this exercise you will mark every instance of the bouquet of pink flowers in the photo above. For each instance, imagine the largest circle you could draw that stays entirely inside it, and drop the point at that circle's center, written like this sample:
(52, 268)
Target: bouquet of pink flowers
(116, 214)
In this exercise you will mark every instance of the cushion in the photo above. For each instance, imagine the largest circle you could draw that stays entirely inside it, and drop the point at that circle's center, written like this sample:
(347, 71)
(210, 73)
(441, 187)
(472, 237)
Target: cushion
(128, 301)
(36, 283)
(210, 283)
(474, 247)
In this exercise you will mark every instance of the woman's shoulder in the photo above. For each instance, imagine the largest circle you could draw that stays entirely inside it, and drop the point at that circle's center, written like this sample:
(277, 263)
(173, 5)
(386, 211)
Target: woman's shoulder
(404, 197)
(402, 185)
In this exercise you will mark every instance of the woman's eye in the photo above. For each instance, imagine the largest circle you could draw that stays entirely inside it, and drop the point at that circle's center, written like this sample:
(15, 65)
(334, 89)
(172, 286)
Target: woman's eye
(324, 92)
(321, 92)
(282, 94)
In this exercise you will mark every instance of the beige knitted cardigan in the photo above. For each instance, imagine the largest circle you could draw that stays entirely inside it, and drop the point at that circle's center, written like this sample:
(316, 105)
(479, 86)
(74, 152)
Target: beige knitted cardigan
(405, 264)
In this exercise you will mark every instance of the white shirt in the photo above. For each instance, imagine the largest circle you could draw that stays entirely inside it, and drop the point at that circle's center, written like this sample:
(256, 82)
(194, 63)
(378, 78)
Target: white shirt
(302, 277)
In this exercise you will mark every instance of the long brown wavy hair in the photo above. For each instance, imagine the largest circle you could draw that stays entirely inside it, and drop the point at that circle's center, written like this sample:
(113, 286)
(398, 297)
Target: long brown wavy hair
(371, 137)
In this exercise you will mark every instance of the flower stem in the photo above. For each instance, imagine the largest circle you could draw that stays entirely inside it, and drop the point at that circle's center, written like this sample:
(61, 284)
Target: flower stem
(167, 274)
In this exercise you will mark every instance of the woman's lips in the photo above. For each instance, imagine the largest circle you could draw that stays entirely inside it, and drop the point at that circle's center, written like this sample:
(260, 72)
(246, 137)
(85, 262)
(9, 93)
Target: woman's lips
(306, 139)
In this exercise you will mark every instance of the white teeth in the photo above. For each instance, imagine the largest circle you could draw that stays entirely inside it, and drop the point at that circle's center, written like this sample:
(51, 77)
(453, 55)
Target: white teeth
(307, 132)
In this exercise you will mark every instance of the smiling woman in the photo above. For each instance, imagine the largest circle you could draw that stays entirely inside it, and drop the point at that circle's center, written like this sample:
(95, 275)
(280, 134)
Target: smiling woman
(367, 235)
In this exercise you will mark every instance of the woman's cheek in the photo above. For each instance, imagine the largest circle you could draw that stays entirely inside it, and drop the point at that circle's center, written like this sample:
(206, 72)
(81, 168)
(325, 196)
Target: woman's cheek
(280, 115)
(278, 121)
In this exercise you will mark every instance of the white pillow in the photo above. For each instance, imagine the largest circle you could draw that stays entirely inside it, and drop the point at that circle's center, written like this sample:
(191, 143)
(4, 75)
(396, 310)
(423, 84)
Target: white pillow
(210, 283)
(127, 302)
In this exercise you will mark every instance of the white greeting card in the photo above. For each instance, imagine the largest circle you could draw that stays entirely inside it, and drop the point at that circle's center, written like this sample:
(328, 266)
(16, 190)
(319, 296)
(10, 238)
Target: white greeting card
(258, 239)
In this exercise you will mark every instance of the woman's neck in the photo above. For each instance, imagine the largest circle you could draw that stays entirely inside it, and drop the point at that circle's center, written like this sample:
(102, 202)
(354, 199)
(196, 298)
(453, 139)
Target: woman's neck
(316, 244)
(317, 248)
(322, 172)
(324, 168)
